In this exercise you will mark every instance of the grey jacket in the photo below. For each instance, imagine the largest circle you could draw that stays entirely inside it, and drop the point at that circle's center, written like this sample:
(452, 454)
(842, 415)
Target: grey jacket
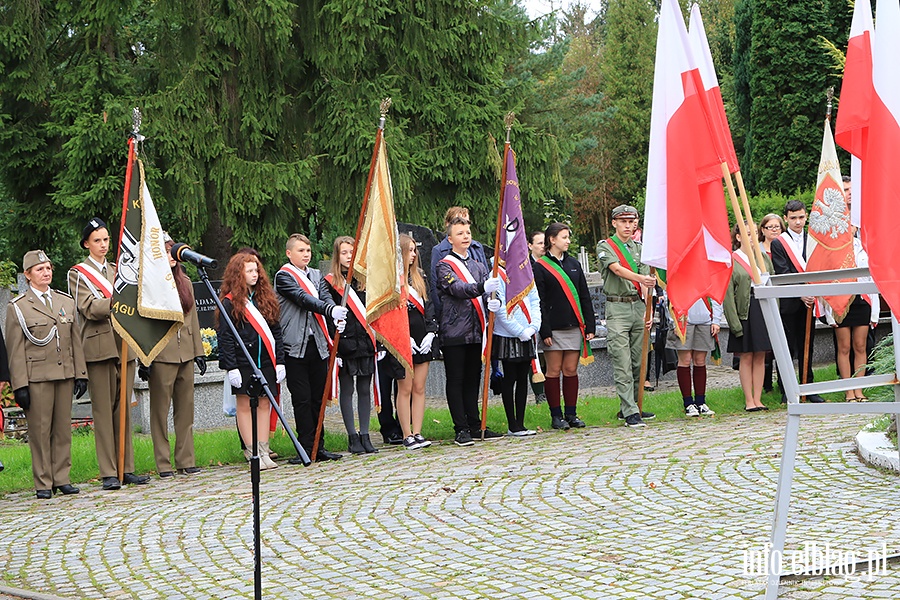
(459, 323)
(297, 306)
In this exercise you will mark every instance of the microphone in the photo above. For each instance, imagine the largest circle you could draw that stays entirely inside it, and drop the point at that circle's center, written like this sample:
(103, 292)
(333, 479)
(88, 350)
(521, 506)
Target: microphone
(183, 253)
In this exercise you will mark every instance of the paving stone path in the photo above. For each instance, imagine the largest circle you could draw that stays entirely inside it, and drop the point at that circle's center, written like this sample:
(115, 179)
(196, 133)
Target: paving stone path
(662, 512)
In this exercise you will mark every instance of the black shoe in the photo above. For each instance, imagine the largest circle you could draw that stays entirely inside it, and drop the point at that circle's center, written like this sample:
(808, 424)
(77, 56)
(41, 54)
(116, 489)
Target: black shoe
(111, 483)
(574, 421)
(295, 460)
(783, 399)
(815, 399)
(354, 445)
(132, 479)
(559, 423)
(324, 455)
(646, 416)
(43, 494)
(166, 474)
(488, 435)
(394, 439)
(66, 489)
(540, 398)
(367, 443)
(464, 438)
(189, 471)
(634, 421)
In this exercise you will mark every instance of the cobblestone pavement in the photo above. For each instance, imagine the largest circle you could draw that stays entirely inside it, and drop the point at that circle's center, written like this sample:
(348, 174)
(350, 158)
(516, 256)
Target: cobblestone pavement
(662, 512)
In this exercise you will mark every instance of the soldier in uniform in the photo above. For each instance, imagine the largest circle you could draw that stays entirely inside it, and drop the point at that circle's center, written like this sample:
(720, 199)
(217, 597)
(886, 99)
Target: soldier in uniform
(171, 378)
(91, 283)
(47, 364)
(626, 283)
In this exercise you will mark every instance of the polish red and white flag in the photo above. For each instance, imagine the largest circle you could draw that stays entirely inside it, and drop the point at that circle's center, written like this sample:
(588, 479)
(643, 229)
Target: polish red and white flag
(686, 222)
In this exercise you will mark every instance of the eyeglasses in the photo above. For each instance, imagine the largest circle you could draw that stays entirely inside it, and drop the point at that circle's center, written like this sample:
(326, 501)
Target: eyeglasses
(773, 227)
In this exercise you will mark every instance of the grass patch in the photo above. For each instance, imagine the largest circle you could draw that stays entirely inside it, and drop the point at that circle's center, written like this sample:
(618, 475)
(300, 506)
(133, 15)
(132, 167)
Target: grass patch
(220, 446)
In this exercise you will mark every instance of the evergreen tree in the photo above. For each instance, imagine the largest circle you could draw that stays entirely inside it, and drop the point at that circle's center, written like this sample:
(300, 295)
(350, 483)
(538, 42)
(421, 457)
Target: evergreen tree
(627, 57)
(789, 73)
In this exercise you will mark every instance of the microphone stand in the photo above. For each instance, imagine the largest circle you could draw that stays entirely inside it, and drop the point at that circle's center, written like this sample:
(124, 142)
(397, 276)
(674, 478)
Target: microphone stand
(256, 385)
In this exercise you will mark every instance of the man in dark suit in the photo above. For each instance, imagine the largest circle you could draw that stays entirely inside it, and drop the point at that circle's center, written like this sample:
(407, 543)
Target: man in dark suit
(789, 254)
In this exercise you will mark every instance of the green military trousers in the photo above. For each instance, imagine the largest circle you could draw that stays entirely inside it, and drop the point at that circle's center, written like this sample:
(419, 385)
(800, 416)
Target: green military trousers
(624, 337)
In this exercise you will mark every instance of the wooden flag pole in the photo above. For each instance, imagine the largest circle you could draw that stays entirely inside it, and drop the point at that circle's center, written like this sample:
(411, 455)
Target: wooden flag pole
(742, 226)
(332, 357)
(754, 241)
(489, 331)
(645, 347)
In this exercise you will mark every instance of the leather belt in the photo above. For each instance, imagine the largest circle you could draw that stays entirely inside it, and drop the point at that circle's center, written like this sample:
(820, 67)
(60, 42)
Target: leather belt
(623, 298)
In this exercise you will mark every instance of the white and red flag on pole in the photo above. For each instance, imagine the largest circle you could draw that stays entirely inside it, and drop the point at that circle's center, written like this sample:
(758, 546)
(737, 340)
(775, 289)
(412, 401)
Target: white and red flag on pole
(829, 223)
(852, 127)
(685, 223)
(879, 130)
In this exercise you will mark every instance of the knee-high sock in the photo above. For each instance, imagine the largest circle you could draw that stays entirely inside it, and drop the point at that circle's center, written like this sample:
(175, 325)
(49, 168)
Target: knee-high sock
(700, 383)
(551, 388)
(684, 384)
(570, 393)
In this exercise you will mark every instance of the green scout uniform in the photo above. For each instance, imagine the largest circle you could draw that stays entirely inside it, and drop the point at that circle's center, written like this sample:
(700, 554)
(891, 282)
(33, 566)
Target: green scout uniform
(624, 324)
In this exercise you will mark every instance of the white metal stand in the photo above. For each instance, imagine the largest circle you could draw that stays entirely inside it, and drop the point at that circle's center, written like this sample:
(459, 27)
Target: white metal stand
(794, 286)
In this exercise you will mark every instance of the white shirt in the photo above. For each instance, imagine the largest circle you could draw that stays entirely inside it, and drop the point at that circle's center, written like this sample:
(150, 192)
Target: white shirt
(99, 266)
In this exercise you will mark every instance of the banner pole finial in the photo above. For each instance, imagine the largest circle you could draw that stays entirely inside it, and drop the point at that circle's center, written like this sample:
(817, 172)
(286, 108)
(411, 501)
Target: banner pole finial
(383, 109)
(829, 94)
(509, 120)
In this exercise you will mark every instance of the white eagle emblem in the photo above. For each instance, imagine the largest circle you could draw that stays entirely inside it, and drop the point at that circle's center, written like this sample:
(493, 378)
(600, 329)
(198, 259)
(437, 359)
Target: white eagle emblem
(831, 217)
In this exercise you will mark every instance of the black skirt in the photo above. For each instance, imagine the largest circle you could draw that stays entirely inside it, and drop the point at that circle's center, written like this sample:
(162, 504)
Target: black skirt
(859, 314)
(512, 349)
(268, 372)
(358, 366)
(755, 337)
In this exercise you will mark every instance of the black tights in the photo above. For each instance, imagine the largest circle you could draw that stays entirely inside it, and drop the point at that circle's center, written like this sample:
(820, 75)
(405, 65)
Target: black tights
(515, 392)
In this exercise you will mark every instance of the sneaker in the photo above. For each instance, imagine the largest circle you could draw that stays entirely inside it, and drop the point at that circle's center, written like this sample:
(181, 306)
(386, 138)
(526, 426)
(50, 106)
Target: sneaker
(411, 443)
(691, 410)
(634, 421)
(540, 398)
(423, 443)
(705, 410)
(489, 435)
(521, 433)
(574, 421)
(647, 416)
(464, 438)
(559, 423)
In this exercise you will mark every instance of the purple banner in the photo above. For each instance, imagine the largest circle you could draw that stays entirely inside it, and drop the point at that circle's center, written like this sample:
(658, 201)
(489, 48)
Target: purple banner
(513, 251)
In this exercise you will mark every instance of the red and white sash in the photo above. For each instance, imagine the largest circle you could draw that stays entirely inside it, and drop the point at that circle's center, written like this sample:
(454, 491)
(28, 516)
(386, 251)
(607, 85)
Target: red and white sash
(262, 329)
(462, 271)
(96, 282)
(359, 311)
(416, 299)
(799, 263)
(304, 282)
(740, 258)
(788, 243)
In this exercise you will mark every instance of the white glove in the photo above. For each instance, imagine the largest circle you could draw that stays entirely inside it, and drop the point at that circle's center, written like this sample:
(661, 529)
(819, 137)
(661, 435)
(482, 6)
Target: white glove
(527, 334)
(494, 305)
(491, 284)
(425, 346)
(339, 362)
(234, 378)
(415, 348)
(339, 313)
(340, 325)
(381, 354)
(280, 373)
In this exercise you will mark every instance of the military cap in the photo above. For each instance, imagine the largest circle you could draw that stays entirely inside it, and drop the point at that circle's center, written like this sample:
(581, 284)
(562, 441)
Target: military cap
(33, 258)
(93, 225)
(624, 210)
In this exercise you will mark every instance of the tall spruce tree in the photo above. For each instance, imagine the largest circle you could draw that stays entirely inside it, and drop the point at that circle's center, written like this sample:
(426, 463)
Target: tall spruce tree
(789, 73)
(626, 60)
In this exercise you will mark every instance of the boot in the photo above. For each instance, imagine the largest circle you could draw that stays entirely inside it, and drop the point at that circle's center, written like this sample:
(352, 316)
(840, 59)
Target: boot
(367, 443)
(264, 461)
(354, 444)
